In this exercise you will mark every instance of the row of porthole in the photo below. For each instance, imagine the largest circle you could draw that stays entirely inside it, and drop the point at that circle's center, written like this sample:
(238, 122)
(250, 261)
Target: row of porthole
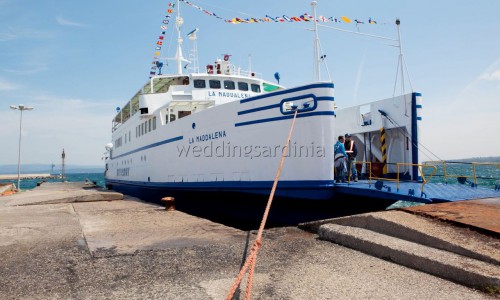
(129, 161)
(145, 127)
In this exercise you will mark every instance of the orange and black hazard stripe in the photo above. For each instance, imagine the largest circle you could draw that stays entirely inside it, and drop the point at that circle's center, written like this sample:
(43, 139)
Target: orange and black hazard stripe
(384, 150)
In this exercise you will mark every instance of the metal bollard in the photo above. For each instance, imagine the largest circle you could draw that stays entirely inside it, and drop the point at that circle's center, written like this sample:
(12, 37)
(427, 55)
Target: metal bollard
(169, 203)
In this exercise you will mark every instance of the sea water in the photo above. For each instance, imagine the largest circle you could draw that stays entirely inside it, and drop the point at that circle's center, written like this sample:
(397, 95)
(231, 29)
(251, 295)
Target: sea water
(482, 175)
(27, 184)
(487, 176)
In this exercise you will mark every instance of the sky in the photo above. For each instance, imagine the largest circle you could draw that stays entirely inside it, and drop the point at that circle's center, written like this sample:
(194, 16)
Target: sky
(76, 61)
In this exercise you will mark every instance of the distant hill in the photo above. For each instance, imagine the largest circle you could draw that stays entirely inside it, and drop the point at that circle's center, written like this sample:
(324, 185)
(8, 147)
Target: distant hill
(493, 159)
(46, 169)
(487, 159)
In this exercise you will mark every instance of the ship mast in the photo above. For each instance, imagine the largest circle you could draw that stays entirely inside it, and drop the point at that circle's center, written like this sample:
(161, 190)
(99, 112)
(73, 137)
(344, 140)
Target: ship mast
(401, 64)
(316, 43)
(178, 56)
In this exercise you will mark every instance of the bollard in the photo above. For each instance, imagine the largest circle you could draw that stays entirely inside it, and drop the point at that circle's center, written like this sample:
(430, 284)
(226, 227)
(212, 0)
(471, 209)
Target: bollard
(169, 203)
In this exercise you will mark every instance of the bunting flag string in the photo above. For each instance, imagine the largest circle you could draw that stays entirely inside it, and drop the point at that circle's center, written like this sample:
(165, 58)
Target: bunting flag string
(284, 18)
(157, 65)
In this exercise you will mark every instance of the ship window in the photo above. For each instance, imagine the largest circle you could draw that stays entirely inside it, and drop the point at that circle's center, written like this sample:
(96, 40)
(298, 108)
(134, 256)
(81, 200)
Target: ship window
(142, 128)
(149, 125)
(172, 117)
(366, 117)
(255, 88)
(214, 84)
(270, 87)
(229, 85)
(199, 84)
(154, 123)
(242, 86)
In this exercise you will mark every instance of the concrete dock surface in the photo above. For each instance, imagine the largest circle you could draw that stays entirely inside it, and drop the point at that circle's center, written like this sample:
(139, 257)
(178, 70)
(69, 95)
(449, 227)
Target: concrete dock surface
(72, 241)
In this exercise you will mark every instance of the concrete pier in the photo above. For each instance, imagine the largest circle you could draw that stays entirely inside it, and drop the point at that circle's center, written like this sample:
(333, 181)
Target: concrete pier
(27, 176)
(73, 241)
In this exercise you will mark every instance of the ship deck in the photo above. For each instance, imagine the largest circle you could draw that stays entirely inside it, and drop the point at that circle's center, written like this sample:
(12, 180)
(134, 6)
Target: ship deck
(412, 191)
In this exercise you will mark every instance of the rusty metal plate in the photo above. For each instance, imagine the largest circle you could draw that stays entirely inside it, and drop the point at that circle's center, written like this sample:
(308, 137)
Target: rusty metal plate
(481, 213)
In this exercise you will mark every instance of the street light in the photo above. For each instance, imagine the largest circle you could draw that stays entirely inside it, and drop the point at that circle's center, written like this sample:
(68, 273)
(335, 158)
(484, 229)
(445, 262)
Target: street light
(20, 107)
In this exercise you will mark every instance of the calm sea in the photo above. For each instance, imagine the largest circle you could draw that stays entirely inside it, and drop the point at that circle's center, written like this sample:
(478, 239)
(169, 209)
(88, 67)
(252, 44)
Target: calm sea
(77, 177)
(486, 176)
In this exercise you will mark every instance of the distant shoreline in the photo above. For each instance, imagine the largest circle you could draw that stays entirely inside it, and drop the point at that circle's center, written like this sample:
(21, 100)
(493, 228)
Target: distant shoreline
(27, 176)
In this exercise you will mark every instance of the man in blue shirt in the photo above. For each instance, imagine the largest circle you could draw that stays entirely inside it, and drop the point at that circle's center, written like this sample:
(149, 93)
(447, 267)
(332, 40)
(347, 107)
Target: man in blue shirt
(340, 160)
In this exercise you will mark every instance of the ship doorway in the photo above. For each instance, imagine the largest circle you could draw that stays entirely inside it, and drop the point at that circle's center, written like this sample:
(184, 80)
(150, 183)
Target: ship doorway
(183, 113)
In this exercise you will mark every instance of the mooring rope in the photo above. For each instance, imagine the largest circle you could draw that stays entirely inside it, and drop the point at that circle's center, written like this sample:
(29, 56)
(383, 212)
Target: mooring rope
(252, 257)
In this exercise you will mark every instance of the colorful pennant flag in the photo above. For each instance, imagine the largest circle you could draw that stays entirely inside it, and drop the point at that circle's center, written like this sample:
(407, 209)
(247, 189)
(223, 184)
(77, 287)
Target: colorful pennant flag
(160, 40)
(267, 19)
(281, 19)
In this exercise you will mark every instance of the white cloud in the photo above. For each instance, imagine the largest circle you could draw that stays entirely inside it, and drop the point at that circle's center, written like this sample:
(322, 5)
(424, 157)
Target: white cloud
(64, 22)
(11, 33)
(81, 126)
(495, 75)
(7, 86)
(27, 71)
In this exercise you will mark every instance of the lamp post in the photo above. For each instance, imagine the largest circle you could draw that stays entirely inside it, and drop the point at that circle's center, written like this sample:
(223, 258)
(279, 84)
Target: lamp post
(21, 108)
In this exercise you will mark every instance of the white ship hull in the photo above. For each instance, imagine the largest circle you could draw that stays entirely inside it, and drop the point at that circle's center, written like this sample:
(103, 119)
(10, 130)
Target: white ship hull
(234, 146)
(224, 129)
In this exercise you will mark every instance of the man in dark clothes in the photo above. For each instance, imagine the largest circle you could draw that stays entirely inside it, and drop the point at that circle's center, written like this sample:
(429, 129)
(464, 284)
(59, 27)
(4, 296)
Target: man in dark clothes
(352, 151)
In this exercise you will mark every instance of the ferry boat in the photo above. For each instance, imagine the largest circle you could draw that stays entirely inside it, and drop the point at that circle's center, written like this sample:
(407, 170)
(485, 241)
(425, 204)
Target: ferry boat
(223, 130)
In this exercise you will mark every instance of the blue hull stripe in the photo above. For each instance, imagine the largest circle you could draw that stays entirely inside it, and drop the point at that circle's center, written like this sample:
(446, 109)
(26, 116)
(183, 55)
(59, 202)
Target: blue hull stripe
(150, 146)
(304, 115)
(287, 91)
(258, 109)
(325, 98)
(313, 189)
(248, 111)
(229, 184)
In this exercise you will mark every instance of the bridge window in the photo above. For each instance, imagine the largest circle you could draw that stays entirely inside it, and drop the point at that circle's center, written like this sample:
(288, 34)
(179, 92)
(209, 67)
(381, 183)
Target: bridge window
(366, 118)
(199, 84)
(255, 88)
(229, 85)
(270, 87)
(242, 86)
(214, 84)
